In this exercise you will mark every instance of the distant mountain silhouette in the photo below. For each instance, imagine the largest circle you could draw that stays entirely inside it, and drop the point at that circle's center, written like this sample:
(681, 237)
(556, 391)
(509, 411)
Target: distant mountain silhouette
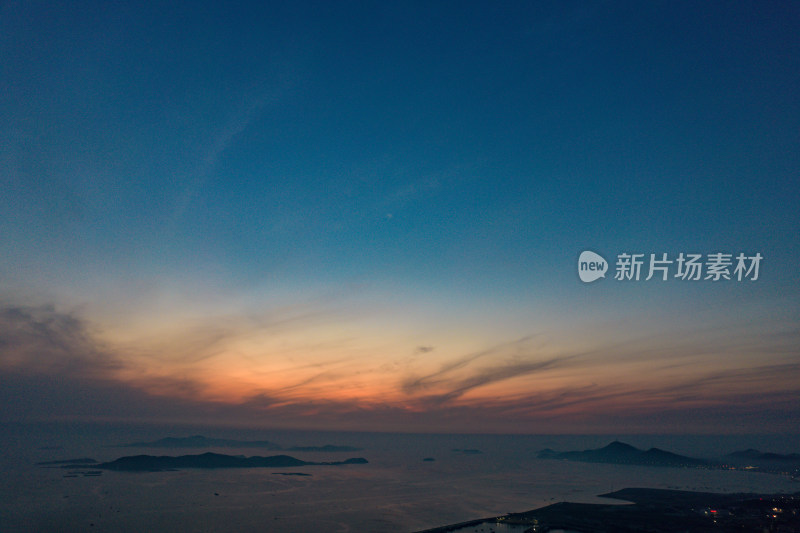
(775, 463)
(199, 441)
(621, 453)
(210, 460)
(81, 461)
(326, 448)
(755, 455)
(749, 453)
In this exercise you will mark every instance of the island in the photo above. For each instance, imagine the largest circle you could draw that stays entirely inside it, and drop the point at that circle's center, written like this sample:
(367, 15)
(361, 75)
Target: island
(326, 448)
(80, 461)
(768, 462)
(467, 451)
(199, 441)
(619, 453)
(152, 463)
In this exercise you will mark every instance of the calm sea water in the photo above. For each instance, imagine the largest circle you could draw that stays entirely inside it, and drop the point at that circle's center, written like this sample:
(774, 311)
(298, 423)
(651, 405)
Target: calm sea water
(396, 491)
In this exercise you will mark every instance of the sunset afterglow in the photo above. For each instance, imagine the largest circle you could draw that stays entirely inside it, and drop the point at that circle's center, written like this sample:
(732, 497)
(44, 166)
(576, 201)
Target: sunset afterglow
(370, 217)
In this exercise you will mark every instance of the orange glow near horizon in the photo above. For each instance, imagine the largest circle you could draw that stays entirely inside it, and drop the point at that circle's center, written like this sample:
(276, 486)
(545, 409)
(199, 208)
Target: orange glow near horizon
(363, 370)
(313, 366)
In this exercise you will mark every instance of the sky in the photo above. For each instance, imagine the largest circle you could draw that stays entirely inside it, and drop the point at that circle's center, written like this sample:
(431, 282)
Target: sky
(369, 215)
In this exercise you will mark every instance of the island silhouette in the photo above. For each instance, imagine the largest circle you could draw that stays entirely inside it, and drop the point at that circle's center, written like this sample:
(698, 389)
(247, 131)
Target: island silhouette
(620, 453)
(153, 463)
(199, 441)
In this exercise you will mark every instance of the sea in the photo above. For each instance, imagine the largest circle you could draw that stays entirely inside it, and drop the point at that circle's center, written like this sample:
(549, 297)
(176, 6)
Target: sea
(411, 482)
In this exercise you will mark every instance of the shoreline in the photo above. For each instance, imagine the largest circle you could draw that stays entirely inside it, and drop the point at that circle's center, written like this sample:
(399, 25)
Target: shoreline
(656, 511)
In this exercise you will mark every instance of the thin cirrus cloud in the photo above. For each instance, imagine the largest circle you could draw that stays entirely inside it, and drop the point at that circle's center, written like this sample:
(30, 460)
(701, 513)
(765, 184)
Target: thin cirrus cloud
(414, 384)
(59, 359)
(223, 139)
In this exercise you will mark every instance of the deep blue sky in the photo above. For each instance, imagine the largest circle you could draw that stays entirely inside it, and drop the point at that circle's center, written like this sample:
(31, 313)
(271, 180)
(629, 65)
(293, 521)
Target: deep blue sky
(436, 166)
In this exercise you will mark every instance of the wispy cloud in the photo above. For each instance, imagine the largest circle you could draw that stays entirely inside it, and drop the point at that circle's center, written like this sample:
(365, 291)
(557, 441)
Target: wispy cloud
(414, 384)
(222, 140)
(629, 376)
(57, 358)
(249, 103)
(43, 340)
(493, 375)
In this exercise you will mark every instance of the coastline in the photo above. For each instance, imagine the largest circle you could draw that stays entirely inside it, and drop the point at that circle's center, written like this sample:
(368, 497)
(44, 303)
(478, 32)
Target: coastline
(655, 511)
